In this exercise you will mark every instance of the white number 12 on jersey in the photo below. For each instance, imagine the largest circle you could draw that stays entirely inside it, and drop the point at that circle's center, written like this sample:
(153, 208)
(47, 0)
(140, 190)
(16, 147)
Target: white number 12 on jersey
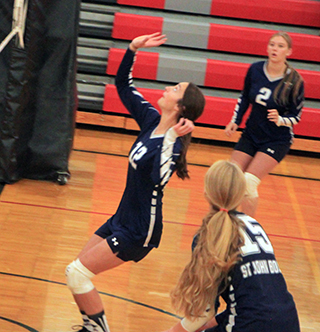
(136, 154)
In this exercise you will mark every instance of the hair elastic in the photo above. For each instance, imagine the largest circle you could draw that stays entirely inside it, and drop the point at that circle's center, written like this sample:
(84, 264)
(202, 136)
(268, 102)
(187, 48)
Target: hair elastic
(225, 210)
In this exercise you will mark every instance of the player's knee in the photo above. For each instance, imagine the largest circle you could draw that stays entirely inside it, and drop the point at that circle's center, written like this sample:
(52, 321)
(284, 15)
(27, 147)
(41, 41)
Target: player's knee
(79, 278)
(252, 185)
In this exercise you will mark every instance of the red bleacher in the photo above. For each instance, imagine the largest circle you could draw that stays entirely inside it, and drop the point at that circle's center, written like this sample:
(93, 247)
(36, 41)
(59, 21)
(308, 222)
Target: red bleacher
(145, 66)
(218, 111)
(225, 75)
(129, 26)
(254, 41)
(219, 74)
(160, 4)
(222, 106)
(226, 38)
(294, 12)
(221, 38)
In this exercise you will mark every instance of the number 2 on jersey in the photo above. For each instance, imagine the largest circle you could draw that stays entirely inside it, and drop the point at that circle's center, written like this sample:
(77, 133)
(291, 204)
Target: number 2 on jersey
(264, 94)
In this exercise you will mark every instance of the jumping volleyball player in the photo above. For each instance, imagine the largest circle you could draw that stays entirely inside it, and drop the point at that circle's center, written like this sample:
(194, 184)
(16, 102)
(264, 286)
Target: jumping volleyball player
(233, 258)
(159, 150)
(276, 92)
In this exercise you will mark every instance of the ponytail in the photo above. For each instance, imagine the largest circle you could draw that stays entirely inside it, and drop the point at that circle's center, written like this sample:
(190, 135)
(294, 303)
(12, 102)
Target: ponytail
(191, 107)
(218, 244)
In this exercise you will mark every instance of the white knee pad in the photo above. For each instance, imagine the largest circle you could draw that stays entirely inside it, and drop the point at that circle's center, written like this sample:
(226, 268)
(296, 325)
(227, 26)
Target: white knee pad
(252, 185)
(78, 278)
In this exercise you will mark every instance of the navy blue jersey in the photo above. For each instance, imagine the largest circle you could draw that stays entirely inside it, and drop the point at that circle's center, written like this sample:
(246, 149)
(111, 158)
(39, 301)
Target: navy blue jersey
(256, 296)
(151, 163)
(258, 91)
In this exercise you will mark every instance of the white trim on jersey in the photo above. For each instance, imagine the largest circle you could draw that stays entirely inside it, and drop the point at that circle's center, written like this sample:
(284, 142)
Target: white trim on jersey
(166, 155)
(236, 110)
(233, 312)
(137, 93)
(270, 78)
(153, 211)
(165, 173)
(292, 120)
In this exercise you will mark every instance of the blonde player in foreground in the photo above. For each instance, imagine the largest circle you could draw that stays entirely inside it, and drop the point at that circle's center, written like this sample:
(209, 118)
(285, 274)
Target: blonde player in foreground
(232, 258)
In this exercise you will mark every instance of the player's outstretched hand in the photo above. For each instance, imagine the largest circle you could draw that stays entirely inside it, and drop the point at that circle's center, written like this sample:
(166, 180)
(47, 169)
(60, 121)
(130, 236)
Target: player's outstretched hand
(184, 127)
(153, 40)
(230, 128)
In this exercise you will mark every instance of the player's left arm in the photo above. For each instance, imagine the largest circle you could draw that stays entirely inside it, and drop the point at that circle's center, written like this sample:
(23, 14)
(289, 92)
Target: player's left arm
(165, 160)
(199, 324)
(140, 109)
(163, 164)
(211, 323)
(184, 127)
(176, 328)
(293, 116)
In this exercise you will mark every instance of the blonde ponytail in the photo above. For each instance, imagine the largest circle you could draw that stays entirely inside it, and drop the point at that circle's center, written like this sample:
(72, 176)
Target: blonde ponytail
(218, 242)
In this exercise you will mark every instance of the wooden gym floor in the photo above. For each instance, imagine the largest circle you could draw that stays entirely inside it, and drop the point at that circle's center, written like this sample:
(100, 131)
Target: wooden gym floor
(43, 226)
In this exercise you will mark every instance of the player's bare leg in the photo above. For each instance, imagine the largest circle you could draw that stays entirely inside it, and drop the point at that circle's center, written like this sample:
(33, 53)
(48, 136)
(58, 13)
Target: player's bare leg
(259, 167)
(256, 168)
(95, 258)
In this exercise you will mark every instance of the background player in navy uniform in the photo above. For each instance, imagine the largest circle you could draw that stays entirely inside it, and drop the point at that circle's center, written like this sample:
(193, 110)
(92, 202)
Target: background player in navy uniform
(159, 151)
(233, 258)
(276, 92)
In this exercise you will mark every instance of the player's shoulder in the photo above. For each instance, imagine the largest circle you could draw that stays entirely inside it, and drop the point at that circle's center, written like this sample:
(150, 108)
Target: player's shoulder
(257, 73)
(258, 65)
(247, 220)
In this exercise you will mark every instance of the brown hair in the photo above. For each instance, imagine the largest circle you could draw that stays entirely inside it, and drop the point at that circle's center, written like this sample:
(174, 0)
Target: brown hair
(218, 241)
(292, 80)
(191, 107)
